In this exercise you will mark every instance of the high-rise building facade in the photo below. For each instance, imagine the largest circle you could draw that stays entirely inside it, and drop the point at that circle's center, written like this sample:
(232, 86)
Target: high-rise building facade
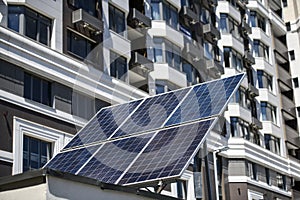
(62, 60)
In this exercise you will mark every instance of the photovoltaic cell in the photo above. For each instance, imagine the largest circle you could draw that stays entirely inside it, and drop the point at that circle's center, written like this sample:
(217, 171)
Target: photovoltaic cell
(168, 153)
(131, 151)
(71, 161)
(152, 113)
(205, 100)
(102, 126)
(114, 157)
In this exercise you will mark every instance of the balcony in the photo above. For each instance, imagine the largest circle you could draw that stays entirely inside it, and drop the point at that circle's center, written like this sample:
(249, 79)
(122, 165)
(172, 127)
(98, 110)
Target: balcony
(189, 15)
(245, 29)
(211, 33)
(281, 49)
(136, 19)
(191, 52)
(252, 90)
(255, 123)
(87, 21)
(292, 136)
(214, 67)
(249, 58)
(284, 77)
(288, 108)
(140, 64)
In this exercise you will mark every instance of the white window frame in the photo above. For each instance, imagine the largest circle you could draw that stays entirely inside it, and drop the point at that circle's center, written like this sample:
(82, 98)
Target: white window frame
(253, 195)
(23, 127)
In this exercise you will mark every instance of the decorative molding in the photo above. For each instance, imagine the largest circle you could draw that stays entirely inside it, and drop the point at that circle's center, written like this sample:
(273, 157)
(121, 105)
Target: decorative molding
(23, 127)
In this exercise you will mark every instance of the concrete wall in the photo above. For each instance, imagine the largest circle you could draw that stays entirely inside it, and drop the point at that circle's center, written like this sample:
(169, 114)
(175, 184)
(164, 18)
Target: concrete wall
(36, 192)
(61, 189)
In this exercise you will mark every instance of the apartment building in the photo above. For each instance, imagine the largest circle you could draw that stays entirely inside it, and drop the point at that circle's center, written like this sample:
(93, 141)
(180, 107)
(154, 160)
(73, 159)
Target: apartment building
(61, 61)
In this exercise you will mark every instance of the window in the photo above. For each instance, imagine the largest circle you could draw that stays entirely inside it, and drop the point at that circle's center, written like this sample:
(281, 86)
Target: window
(264, 80)
(288, 26)
(284, 3)
(239, 128)
(116, 20)
(256, 20)
(208, 50)
(281, 181)
(252, 170)
(37, 89)
(254, 137)
(272, 143)
(292, 55)
(163, 86)
(181, 189)
(260, 49)
(162, 10)
(296, 82)
(241, 97)
(82, 105)
(229, 25)
(192, 74)
(88, 6)
(167, 52)
(268, 112)
(78, 46)
(205, 16)
(268, 179)
(30, 23)
(233, 59)
(118, 66)
(35, 153)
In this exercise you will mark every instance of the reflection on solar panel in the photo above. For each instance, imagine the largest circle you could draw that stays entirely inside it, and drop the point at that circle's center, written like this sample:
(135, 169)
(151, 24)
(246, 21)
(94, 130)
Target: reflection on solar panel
(146, 140)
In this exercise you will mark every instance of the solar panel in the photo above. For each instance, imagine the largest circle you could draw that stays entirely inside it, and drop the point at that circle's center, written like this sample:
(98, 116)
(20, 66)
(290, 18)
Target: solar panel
(167, 154)
(146, 140)
(103, 124)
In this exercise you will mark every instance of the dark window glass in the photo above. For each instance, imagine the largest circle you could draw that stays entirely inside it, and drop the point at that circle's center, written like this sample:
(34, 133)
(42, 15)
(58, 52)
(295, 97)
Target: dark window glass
(292, 54)
(284, 3)
(296, 82)
(36, 26)
(160, 88)
(118, 66)
(272, 143)
(169, 13)
(264, 80)
(288, 26)
(35, 153)
(268, 112)
(78, 45)
(192, 75)
(116, 20)
(37, 89)
(267, 176)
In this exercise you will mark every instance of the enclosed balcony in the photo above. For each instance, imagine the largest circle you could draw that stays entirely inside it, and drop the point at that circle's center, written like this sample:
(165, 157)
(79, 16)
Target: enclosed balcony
(88, 21)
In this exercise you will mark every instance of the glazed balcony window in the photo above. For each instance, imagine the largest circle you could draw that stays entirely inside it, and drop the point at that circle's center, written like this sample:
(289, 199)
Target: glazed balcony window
(30, 23)
(162, 10)
(264, 80)
(268, 112)
(260, 50)
(256, 20)
(118, 66)
(229, 25)
(116, 20)
(233, 59)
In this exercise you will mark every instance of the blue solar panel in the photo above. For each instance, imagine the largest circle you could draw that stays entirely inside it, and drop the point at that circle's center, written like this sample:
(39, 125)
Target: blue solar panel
(168, 153)
(102, 126)
(114, 157)
(152, 113)
(146, 140)
(205, 100)
(71, 161)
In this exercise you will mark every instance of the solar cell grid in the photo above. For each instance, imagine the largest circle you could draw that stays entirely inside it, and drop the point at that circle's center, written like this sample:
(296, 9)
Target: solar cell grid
(114, 157)
(102, 126)
(167, 153)
(141, 154)
(152, 113)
